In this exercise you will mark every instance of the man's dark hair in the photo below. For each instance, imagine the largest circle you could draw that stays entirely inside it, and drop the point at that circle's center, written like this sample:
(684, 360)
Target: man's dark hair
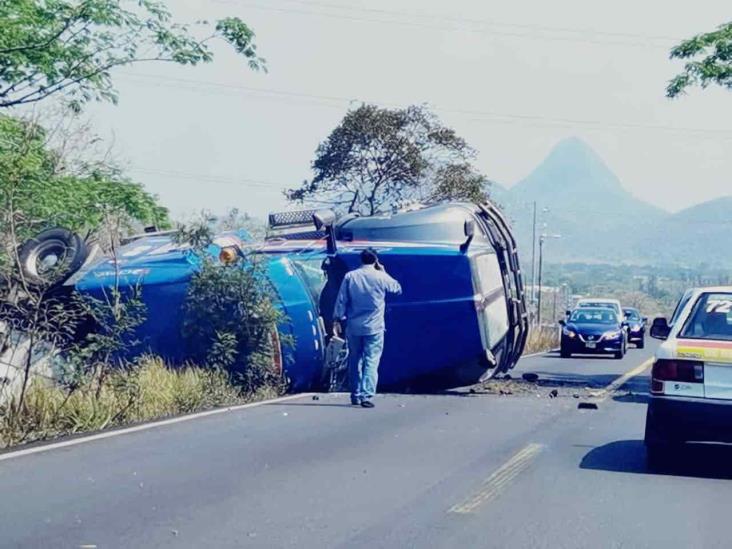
(369, 257)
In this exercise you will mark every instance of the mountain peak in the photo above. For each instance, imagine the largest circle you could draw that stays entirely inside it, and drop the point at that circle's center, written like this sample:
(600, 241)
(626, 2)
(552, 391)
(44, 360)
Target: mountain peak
(571, 166)
(576, 148)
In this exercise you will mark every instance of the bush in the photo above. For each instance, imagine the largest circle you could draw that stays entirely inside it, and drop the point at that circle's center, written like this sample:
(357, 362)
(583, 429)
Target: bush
(230, 321)
(144, 391)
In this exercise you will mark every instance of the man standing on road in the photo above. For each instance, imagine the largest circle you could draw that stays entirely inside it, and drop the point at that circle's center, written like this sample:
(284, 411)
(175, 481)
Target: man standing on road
(361, 304)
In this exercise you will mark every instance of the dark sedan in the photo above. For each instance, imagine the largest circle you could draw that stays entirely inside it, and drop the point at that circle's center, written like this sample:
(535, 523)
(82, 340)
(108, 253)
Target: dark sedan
(593, 331)
(636, 327)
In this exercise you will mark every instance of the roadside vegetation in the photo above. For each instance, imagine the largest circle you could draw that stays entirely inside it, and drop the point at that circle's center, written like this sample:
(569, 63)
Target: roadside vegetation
(148, 389)
(541, 339)
(230, 326)
(63, 372)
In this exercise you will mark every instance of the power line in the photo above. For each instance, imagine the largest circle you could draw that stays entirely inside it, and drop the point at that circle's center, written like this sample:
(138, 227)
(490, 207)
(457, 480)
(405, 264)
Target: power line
(244, 182)
(484, 22)
(416, 24)
(474, 115)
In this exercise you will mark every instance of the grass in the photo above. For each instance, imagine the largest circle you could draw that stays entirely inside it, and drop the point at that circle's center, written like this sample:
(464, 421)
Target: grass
(542, 339)
(145, 391)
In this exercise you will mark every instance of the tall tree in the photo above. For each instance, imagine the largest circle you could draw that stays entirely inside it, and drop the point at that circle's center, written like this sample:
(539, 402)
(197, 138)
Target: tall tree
(709, 61)
(377, 157)
(69, 47)
(459, 182)
(36, 192)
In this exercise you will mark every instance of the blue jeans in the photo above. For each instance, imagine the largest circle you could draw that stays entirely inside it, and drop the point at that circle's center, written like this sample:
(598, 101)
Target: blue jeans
(364, 355)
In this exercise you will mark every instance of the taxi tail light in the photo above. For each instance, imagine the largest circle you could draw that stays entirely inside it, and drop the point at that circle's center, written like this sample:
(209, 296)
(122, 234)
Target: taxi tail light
(675, 370)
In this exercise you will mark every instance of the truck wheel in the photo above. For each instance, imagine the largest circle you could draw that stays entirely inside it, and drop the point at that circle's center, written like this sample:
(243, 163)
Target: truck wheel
(51, 257)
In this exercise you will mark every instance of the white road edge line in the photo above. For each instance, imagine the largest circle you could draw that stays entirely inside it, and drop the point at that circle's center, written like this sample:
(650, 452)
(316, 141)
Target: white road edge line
(144, 427)
(540, 354)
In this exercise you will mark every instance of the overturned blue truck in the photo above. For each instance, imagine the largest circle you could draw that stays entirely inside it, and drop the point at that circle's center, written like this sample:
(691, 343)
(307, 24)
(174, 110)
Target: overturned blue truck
(461, 317)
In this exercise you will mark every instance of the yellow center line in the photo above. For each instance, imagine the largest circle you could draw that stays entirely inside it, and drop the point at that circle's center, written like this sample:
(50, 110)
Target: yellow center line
(494, 484)
(622, 380)
(521, 460)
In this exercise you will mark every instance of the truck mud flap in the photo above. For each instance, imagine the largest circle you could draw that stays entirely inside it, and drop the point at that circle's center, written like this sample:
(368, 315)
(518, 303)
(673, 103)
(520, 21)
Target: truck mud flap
(504, 243)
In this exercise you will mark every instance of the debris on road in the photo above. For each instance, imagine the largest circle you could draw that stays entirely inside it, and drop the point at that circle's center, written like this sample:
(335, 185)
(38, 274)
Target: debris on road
(532, 384)
(587, 406)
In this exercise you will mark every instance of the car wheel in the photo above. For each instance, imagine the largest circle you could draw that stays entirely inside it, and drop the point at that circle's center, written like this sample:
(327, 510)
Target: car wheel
(564, 353)
(620, 355)
(641, 344)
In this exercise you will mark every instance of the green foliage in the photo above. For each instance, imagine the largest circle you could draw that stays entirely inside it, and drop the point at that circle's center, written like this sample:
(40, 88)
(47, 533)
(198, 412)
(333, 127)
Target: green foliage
(709, 58)
(69, 47)
(460, 182)
(230, 320)
(34, 196)
(115, 319)
(377, 157)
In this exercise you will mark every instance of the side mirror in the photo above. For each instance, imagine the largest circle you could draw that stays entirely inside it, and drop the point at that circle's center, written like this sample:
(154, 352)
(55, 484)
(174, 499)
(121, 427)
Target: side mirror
(645, 320)
(323, 219)
(469, 230)
(660, 328)
(567, 312)
(562, 322)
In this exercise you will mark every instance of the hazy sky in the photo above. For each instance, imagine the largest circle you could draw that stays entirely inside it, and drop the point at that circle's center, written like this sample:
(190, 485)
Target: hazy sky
(513, 78)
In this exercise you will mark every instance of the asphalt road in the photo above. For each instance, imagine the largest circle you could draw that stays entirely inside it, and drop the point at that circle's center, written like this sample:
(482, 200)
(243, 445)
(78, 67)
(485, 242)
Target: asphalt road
(448, 470)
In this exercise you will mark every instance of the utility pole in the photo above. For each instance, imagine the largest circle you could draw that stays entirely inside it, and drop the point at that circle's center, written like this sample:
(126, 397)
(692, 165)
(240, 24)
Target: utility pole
(541, 257)
(533, 259)
(542, 238)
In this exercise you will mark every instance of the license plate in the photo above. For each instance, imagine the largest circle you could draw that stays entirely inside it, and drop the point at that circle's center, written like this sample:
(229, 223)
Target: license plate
(591, 345)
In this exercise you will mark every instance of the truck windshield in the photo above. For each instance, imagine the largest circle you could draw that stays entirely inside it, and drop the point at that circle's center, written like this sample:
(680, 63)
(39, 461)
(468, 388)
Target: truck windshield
(489, 286)
(711, 318)
(311, 272)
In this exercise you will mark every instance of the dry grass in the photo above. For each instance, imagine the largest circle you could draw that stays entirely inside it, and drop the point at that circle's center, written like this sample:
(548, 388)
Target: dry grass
(542, 339)
(142, 392)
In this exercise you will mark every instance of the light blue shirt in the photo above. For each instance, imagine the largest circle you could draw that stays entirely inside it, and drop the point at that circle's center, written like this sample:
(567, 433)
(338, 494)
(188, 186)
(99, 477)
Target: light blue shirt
(362, 300)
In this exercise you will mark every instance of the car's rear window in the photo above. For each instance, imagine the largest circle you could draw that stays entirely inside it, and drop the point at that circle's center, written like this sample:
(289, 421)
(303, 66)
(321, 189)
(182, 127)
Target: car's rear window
(711, 318)
(632, 314)
(586, 315)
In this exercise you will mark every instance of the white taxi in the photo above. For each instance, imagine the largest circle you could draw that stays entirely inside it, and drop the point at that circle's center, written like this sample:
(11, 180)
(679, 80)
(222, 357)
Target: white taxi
(691, 380)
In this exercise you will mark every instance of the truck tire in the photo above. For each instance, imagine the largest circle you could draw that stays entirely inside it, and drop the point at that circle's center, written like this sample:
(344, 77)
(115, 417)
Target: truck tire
(52, 257)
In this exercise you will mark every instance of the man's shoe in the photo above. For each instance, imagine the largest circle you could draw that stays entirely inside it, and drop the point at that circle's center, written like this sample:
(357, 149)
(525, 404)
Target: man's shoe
(355, 402)
(367, 404)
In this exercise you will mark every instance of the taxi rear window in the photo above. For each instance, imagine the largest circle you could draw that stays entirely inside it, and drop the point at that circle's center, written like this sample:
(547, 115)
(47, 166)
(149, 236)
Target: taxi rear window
(711, 318)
